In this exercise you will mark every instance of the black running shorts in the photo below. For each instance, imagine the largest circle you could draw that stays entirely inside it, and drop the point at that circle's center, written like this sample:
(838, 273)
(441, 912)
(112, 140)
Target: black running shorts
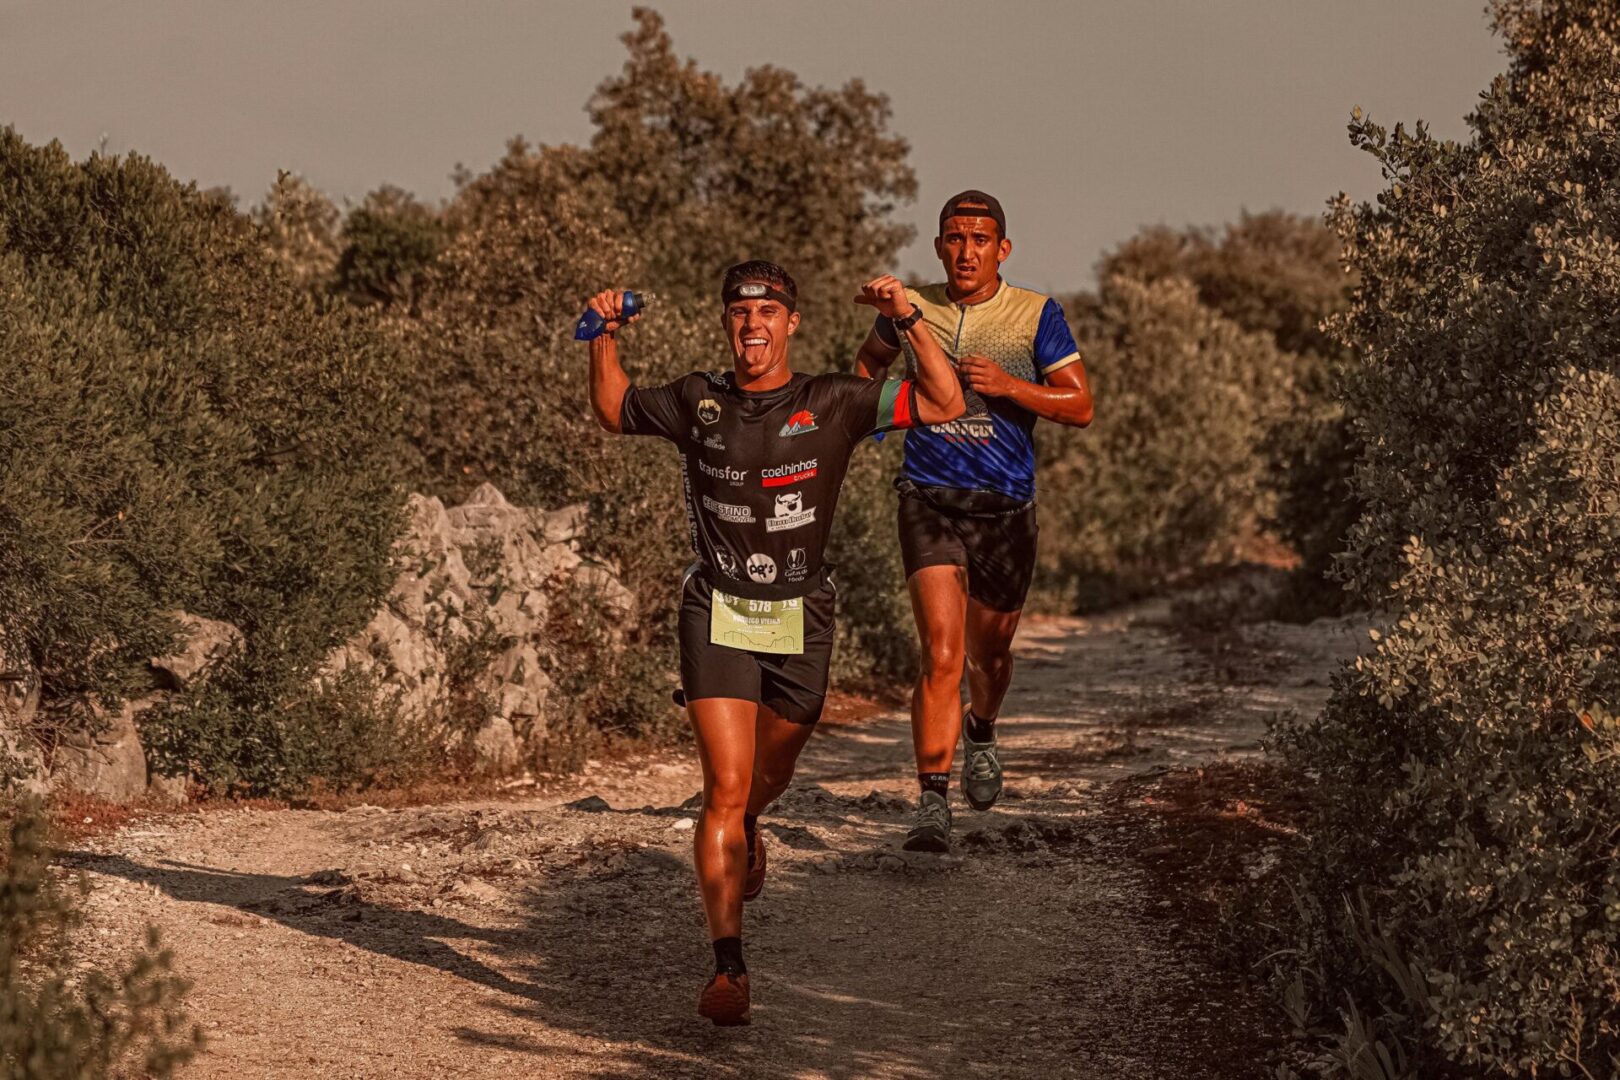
(998, 549)
(795, 687)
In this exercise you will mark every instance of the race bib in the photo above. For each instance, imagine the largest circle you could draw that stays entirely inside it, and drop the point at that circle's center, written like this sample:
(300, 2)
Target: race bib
(767, 626)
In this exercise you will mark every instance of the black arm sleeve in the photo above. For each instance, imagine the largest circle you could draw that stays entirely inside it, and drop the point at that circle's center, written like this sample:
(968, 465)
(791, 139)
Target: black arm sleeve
(883, 327)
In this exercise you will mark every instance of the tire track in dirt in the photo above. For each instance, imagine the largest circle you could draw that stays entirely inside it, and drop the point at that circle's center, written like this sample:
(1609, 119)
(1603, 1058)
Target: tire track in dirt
(568, 942)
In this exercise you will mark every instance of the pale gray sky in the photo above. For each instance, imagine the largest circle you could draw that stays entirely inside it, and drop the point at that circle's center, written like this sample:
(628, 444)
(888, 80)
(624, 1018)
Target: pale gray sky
(1087, 119)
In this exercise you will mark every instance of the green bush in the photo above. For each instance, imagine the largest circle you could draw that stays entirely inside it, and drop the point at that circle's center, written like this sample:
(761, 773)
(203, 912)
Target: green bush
(1170, 476)
(57, 1022)
(182, 429)
(1279, 275)
(1469, 768)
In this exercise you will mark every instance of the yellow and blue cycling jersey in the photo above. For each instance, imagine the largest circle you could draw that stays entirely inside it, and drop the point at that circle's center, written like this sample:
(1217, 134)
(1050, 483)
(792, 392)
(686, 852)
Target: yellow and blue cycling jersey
(991, 447)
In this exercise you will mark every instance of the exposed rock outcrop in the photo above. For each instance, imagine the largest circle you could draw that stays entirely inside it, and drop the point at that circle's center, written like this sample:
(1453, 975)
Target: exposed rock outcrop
(466, 617)
(108, 761)
(459, 642)
(205, 642)
(21, 763)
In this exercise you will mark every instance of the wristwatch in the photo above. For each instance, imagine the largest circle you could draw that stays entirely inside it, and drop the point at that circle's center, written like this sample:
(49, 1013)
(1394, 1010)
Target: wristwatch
(902, 325)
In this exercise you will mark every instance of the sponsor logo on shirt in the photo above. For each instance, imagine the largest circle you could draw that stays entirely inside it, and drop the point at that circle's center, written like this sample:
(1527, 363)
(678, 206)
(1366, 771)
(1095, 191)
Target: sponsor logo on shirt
(761, 568)
(793, 473)
(790, 512)
(967, 429)
(799, 423)
(709, 410)
(727, 562)
(723, 472)
(737, 515)
(715, 442)
(798, 561)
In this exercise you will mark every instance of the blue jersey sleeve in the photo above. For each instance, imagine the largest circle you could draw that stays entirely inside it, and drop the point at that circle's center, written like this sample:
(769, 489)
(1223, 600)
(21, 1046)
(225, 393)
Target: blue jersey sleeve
(1054, 344)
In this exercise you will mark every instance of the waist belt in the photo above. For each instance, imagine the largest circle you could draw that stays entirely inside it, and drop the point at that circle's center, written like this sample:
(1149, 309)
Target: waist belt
(962, 502)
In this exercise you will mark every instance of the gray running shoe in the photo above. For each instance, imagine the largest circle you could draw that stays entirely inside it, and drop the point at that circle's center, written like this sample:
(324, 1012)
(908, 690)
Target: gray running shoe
(981, 773)
(933, 829)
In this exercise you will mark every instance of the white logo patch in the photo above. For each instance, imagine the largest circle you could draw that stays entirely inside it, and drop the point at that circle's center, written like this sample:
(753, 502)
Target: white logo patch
(798, 562)
(790, 512)
(723, 472)
(708, 410)
(761, 568)
(727, 563)
(737, 515)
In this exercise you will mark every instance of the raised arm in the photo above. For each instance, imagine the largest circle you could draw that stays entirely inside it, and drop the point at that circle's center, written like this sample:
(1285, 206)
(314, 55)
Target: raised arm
(608, 380)
(939, 392)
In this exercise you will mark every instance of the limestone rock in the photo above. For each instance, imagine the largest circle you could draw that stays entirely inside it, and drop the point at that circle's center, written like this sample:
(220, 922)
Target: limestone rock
(481, 574)
(521, 683)
(205, 642)
(169, 790)
(20, 760)
(560, 526)
(109, 762)
(495, 746)
(598, 585)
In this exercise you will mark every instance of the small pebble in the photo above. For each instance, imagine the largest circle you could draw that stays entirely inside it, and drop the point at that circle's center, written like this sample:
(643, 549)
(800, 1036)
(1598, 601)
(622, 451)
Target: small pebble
(683, 824)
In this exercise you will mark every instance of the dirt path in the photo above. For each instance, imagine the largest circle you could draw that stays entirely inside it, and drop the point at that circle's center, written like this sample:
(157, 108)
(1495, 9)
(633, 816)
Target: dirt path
(473, 939)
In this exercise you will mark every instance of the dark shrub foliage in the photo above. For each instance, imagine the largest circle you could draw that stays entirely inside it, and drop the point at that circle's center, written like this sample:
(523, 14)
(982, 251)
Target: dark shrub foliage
(58, 1022)
(1470, 767)
(181, 429)
(388, 243)
(1278, 275)
(1170, 475)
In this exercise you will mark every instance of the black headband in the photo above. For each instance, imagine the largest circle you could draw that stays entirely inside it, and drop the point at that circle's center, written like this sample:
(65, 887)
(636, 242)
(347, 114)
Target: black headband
(758, 290)
(973, 204)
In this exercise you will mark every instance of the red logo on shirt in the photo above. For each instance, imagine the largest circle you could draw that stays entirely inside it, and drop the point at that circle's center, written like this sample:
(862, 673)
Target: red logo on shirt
(800, 422)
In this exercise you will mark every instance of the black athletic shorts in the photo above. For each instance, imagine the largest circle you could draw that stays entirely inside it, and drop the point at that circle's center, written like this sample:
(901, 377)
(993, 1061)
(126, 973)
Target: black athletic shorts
(794, 686)
(997, 546)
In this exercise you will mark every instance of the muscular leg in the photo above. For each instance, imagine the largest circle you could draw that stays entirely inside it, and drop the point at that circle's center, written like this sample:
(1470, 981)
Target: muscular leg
(777, 743)
(725, 738)
(939, 602)
(989, 657)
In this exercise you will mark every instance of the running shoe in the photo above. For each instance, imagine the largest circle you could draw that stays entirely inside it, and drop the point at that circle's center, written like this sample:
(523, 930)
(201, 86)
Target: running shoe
(725, 1000)
(981, 772)
(755, 881)
(933, 829)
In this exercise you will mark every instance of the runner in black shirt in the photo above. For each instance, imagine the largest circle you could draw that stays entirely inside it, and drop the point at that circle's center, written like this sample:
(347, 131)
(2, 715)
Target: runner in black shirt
(763, 454)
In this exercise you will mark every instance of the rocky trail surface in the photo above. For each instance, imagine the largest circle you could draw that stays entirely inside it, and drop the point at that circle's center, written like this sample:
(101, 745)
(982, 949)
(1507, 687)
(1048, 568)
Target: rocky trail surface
(560, 936)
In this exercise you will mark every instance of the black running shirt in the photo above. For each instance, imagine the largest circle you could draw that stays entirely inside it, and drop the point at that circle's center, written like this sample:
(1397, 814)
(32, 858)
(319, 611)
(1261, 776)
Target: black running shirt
(762, 469)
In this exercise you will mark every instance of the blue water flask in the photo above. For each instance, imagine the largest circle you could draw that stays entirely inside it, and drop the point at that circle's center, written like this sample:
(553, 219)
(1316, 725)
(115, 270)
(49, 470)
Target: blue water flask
(591, 324)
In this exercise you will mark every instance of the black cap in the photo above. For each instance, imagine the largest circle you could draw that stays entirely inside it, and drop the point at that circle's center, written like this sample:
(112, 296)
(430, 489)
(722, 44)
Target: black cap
(978, 204)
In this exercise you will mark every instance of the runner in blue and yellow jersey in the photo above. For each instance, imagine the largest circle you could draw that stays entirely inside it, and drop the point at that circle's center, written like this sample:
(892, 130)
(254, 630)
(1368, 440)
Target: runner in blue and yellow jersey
(967, 495)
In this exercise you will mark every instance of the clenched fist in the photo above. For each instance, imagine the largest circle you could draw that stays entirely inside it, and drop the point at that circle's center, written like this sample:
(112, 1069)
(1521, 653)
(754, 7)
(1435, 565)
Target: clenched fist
(887, 294)
(610, 305)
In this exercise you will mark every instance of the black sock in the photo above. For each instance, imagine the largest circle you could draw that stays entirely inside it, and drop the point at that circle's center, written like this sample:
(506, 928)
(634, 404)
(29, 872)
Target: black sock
(978, 728)
(750, 830)
(937, 782)
(728, 957)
